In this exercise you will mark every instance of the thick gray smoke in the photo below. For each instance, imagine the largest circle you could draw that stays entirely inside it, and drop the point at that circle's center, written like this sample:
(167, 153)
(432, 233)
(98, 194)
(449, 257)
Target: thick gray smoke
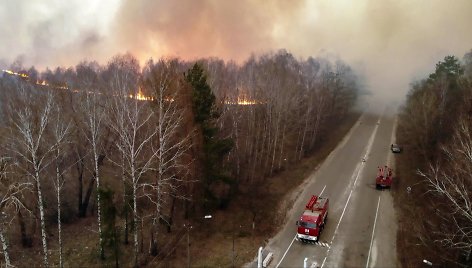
(56, 32)
(392, 41)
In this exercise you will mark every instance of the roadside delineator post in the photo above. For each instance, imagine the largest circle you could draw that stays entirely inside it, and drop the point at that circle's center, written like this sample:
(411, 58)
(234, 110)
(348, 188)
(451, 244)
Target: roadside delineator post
(305, 263)
(259, 258)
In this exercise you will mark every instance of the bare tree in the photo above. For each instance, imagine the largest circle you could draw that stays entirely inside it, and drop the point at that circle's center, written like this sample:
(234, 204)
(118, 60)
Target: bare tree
(10, 191)
(418, 120)
(131, 119)
(452, 183)
(30, 118)
(163, 81)
(87, 81)
(135, 136)
(94, 125)
(122, 76)
(60, 132)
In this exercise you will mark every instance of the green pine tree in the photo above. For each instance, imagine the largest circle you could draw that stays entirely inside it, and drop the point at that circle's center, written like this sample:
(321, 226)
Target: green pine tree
(214, 148)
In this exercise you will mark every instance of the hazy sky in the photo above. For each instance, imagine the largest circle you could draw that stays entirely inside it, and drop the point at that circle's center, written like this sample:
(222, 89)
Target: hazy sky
(391, 41)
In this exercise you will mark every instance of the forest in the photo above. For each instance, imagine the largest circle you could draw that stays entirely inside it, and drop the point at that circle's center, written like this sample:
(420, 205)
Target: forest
(434, 186)
(136, 149)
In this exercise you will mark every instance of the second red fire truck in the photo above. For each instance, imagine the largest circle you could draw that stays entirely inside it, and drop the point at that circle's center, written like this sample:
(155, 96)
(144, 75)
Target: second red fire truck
(384, 178)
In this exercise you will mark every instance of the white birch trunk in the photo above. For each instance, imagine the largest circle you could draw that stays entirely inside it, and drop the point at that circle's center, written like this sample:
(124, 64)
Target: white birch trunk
(59, 230)
(41, 216)
(135, 221)
(99, 211)
(32, 130)
(5, 249)
(58, 197)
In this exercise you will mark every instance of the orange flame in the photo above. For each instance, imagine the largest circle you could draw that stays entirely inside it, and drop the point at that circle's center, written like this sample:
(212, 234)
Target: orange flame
(15, 73)
(243, 101)
(140, 96)
(42, 83)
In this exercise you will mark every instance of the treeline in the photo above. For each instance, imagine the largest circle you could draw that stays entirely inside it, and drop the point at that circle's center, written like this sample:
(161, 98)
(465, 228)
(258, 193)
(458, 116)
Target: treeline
(435, 128)
(142, 148)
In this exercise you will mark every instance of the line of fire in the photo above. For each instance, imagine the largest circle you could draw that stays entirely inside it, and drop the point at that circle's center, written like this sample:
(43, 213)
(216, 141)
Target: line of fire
(240, 100)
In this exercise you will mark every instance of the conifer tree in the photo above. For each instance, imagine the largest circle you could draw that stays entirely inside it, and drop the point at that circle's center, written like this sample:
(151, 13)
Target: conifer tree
(214, 148)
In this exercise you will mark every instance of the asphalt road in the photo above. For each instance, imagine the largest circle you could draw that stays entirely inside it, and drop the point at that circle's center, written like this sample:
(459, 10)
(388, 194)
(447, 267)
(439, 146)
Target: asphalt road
(361, 228)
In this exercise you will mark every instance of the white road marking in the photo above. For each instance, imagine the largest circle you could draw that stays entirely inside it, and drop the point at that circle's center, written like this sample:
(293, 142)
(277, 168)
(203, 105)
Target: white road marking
(322, 190)
(324, 260)
(294, 238)
(342, 214)
(373, 231)
(359, 169)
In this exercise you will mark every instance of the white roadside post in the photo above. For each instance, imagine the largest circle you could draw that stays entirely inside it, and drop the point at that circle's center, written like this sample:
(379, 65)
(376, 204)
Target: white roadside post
(259, 258)
(305, 263)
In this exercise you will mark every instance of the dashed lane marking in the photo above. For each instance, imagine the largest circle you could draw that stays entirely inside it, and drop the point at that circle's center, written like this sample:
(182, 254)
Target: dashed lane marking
(373, 231)
(359, 169)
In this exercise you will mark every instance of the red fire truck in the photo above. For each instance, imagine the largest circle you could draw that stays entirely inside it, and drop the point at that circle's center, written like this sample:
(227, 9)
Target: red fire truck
(313, 219)
(384, 178)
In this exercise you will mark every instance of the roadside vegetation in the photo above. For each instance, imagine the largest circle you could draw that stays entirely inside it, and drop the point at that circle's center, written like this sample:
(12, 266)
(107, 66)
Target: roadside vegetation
(433, 191)
(118, 164)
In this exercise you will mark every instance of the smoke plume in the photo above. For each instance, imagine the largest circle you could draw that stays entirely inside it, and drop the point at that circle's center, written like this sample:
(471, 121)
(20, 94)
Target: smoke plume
(392, 41)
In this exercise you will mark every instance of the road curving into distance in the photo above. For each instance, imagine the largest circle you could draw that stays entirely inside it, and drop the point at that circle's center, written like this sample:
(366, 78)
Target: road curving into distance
(361, 228)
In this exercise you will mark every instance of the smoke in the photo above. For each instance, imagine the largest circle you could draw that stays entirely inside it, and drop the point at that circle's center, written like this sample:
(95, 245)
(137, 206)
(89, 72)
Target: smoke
(55, 32)
(393, 42)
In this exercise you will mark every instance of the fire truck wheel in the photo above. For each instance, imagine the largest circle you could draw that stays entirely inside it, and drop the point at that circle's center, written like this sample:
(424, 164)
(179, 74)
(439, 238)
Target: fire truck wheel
(377, 186)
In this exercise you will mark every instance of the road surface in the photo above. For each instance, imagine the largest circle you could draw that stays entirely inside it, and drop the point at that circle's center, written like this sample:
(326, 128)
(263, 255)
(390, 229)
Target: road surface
(361, 228)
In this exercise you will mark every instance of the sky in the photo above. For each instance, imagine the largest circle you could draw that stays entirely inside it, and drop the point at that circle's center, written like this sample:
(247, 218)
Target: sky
(392, 42)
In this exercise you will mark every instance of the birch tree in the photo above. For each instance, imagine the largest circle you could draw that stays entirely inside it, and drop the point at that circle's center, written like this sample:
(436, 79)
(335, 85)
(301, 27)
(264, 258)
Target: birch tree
(60, 132)
(30, 118)
(451, 182)
(135, 137)
(88, 106)
(163, 81)
(94, 113)
(131, 120)
(122, 76)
